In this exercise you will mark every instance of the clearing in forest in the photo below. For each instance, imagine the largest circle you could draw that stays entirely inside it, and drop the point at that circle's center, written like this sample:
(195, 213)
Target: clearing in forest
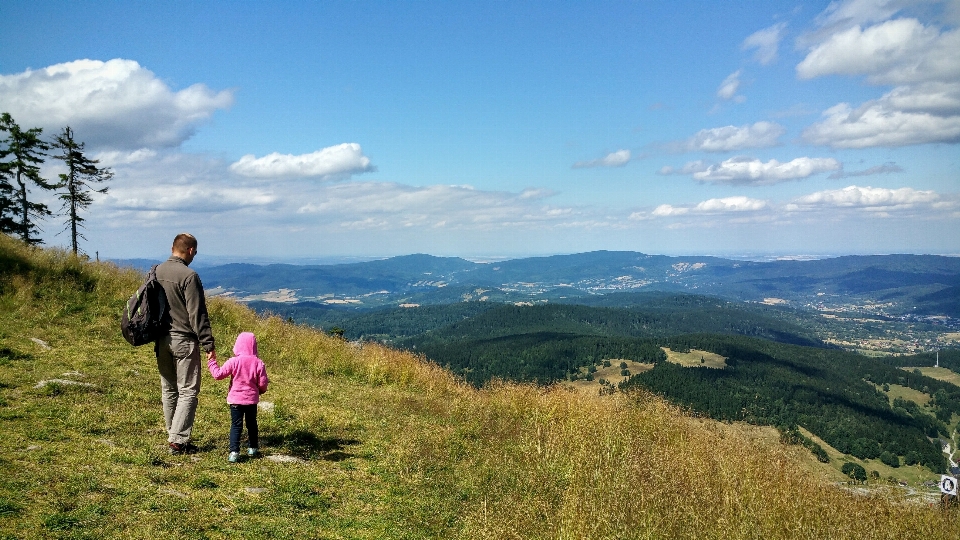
(696, 358)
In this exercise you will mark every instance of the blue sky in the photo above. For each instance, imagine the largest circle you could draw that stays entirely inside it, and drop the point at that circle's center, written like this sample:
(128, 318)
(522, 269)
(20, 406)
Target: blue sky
(502, 129)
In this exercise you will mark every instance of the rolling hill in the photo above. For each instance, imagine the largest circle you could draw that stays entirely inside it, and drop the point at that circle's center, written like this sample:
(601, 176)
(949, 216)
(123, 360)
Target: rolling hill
(893, 285)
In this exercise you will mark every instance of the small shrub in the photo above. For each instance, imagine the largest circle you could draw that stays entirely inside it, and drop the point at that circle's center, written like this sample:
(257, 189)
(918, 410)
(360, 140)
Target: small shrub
(889, 459)
(624, 372)
(203, 482)
(623, 365)
(606, 363)
(854, 471)
(8, 507)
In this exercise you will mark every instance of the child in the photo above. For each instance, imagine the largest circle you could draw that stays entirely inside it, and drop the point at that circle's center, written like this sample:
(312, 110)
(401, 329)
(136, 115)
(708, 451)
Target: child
(248, 381)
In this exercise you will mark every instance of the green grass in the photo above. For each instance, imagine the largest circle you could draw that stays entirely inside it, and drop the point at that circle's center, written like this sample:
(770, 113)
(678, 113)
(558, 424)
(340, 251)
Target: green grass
(695, 358)
(939, 373)
(390, 446)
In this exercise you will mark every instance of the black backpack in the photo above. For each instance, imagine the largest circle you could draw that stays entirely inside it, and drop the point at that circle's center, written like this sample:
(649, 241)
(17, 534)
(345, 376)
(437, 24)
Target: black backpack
(141, 321)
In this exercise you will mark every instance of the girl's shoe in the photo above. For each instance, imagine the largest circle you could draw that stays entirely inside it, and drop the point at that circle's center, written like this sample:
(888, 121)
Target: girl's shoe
(252, 452)
(232, 458)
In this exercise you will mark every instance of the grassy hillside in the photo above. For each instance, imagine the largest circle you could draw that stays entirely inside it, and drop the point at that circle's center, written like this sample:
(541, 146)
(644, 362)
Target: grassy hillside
(386, 446)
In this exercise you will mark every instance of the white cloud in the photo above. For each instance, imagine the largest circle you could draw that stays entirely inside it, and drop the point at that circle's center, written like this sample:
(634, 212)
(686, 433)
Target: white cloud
(928, 113)
(731, 138)
(854, 12)
(867, 199)
(342, 160)
(115, 105)
(613, 159)
(167, 189)
(712, 206)
(893, 52)
(921, 58)
(745, 170)
(766, 41)
(162, 184)
(114, 157)
(729, 86)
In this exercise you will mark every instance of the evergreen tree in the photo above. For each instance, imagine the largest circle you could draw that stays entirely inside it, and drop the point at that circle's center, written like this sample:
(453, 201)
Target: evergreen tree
(7, 204)
(20, 157)
(81, 172)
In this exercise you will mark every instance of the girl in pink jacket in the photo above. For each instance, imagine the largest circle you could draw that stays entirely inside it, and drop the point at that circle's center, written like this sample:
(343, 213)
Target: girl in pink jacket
(248, 380)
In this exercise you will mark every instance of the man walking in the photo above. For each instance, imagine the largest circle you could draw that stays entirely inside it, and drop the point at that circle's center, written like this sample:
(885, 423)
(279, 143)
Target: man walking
(187, 329)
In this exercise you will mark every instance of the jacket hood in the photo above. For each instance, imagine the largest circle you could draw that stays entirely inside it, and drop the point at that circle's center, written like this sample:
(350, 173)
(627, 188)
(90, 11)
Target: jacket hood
(246, 345)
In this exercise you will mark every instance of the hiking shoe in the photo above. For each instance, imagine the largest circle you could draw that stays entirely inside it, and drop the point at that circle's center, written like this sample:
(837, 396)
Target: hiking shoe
(179, 449)
(232, 458)
(252, 452)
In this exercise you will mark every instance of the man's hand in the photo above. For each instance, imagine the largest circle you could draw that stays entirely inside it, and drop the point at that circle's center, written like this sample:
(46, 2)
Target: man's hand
(212, 355)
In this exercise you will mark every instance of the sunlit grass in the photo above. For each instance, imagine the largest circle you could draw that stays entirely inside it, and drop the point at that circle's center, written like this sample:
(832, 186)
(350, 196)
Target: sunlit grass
(387, 445)
(696, 358)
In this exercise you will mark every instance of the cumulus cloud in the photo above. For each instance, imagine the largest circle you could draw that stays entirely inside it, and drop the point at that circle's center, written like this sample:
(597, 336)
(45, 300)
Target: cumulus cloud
(338, 161)
(893, 52)
(729, 86)
(732, 138)
(712, 206)
(745, 170)
(928, 113)
(767, 42)
(110, 105)
(868, 199)
(613, 159)
(858, 38)
(886, 168)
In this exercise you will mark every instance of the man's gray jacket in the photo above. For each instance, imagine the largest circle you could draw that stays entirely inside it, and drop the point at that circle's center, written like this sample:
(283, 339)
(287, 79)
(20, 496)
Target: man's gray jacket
(187, 307)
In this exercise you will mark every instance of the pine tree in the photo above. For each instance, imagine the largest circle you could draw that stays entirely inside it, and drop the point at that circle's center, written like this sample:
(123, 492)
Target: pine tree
(81, 171)
(7, 205)
(21, 154)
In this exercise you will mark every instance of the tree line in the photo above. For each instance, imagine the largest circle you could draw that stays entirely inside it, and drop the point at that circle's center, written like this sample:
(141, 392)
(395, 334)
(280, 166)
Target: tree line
(22, 152)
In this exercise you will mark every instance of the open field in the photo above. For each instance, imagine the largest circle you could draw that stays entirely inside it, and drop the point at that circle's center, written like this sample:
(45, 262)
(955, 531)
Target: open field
(942, 374)
(611, 374)
(696, 358)
(909, 394)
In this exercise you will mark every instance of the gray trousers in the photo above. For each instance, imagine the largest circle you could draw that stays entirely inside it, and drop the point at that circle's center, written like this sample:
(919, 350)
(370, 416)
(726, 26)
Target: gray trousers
(178, 360)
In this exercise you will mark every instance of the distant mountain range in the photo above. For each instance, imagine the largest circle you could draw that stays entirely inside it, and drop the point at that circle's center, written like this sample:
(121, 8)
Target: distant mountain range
(895, 285)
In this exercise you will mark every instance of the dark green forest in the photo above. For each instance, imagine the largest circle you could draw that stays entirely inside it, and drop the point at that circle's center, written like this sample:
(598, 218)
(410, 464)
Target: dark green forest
(778, 373)
(825, 391)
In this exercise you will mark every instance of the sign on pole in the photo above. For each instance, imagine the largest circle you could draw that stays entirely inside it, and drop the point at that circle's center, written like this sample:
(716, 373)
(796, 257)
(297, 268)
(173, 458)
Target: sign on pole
(948, 485)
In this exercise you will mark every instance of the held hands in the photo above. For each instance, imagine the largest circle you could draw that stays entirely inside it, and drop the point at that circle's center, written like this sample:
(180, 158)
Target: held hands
(212, 355)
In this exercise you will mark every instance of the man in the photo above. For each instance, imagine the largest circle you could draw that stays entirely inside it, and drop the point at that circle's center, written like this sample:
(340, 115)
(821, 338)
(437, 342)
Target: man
(187, 329)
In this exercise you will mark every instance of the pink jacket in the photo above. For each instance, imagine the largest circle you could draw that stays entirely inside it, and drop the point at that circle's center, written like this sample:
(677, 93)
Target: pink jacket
(249, 376)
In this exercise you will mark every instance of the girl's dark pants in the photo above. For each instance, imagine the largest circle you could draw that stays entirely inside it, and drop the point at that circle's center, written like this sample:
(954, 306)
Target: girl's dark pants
(239, 414)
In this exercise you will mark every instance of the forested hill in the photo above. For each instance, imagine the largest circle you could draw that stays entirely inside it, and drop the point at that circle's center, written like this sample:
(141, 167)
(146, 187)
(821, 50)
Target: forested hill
(891, 284)
(646, 315)
(836, 395)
